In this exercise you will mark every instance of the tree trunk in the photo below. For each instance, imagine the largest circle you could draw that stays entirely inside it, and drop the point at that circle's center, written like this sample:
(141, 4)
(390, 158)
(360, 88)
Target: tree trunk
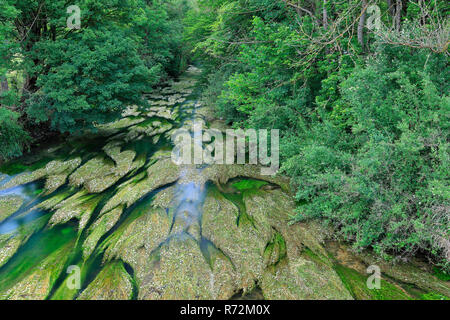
(4, 84)
(325, 14)
(30, 85)
(391, 7)
(362, 23)
(398, 14)
(423, 14)
(3, 87)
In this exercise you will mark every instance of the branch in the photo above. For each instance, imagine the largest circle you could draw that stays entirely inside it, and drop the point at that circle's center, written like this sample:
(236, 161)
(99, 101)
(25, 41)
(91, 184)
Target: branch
(300, 8)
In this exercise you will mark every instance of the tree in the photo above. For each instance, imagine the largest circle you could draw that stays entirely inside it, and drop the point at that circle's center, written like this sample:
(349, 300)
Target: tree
(91, 77)
(67, 79)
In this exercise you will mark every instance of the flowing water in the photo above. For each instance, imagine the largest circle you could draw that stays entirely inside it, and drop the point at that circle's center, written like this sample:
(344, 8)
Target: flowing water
(110, 216)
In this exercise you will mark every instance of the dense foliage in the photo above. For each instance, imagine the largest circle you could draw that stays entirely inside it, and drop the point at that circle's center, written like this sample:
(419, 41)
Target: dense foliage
(12, 136)
(364, 114)
(68, 79)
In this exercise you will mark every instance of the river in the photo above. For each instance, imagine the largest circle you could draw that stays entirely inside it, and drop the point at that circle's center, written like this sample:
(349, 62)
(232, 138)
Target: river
(109, 215)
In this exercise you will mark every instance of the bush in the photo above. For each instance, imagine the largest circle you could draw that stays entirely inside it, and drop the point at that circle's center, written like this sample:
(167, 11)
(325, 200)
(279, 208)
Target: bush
(384, 181)
(12, 136)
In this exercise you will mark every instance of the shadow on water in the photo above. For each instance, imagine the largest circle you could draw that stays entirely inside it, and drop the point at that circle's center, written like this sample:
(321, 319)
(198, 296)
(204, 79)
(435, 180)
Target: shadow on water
(255, 294)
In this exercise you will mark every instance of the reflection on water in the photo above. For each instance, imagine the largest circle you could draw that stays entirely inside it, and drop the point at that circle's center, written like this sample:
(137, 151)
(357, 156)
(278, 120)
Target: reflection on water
(189, 195)
(30, 195)
(188, 202)
(14, 224)
(27, 192)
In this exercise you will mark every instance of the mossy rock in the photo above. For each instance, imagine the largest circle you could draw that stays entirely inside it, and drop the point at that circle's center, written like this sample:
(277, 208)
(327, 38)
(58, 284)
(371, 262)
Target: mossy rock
(243, 244)
(164, 198)
(412, 279)
(112, 283)
(356, 283)
(24, 178)
(181, 272)
(221, 174)
(143, 243)
(276, 208)
(100, 173)
(56, 199)
(183, 85)
(111, 128)
(161, 173)
(150, 127)
(80, 206)
(275, 251)
(167, 114)
(160, 102)
(414, 272)
(126, 194)
(302, 278)
(53, 182)
(9, 205)
(131, 111)
(9, 244)
(57, 173)
(99, 228)
(290, 273)
(155, 96)
(186, 222)
(133, 242)
(60, 167)
(98, 166)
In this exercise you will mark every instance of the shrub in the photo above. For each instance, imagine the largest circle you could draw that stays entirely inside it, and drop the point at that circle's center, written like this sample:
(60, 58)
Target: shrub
(12, 136)
(384, 181)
